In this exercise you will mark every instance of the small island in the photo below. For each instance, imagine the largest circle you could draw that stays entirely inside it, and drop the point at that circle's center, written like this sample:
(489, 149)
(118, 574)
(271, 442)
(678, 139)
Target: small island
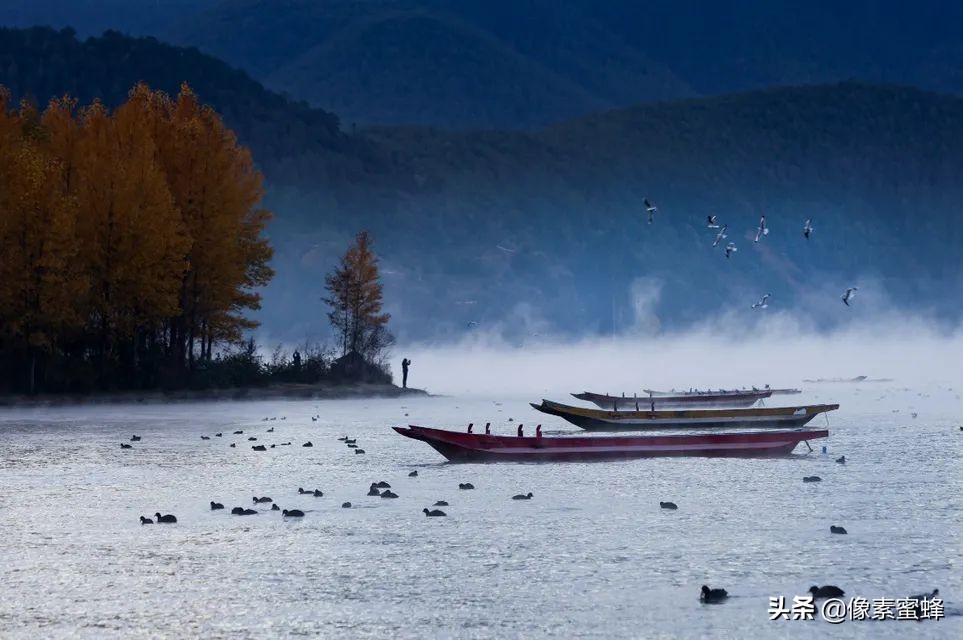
(133, 255)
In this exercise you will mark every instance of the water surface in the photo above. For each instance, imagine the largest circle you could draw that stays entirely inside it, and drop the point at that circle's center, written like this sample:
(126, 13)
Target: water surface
(592, 555)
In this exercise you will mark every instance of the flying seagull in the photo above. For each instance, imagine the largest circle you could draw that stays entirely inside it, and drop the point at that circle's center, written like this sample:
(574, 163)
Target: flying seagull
(650, 208)
(762, 304)
(730, 249)
(721, 235)
(763, 230)
(808, 228)
(472, 324)
(711, 222)
(850, 292)
(505, 249)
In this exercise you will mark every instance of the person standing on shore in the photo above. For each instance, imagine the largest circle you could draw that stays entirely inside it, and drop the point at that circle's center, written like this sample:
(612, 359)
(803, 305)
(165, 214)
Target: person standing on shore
(405, 363)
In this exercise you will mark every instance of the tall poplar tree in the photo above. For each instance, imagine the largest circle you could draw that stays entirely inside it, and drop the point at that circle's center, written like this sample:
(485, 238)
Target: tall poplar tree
(355, 297)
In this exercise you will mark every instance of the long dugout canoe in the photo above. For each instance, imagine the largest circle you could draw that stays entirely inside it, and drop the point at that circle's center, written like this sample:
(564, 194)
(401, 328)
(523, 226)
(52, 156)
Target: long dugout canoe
(465, 447)
(599, 420)
(633, 403)
(720, 392)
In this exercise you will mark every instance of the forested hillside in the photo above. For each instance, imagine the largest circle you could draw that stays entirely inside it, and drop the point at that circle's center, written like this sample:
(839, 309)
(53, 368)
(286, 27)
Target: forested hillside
(534, 232)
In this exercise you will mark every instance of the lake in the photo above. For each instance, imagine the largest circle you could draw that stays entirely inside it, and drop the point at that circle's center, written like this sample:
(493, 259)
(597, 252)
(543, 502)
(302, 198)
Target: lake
(591, 555)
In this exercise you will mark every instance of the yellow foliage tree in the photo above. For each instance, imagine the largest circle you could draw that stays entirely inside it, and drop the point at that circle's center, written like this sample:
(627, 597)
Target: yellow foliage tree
(40, 280)
(216, 189)
(355, 297)
(124, 232)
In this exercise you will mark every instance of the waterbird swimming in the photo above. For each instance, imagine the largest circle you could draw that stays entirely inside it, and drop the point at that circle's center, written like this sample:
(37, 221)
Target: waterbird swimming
(413, 474)
(713, 595)
(730, 249)
(237, 433)
(252, 439)
(711, 222)
(135, 438)
(434, 513)
(275, 507)
(812, 479)
(166, 519)
(345, 505)
(382, 485)
(271, 430)
(260, 500)
(350, 440)
(373, 490)
(233, 445)
(826, 591)
(668, 505)
(259, 447)
(124, 445)
(763, 303)
(144, 520)
(720, 236)
(216, 505)
(318, 493)
(359, 450)
(205, 438)
(763, 230)
(466, 485)
(808, 228)
(842, 459)
(308, 444)
(850, 292)
(650, 209)
(389, 494)
(834, 529)
(292, 513)
(218, 435)
(440, 503)
(523, 496)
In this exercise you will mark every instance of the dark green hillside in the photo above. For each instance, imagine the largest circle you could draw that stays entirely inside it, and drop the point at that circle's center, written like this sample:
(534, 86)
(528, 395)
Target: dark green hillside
(530, 232)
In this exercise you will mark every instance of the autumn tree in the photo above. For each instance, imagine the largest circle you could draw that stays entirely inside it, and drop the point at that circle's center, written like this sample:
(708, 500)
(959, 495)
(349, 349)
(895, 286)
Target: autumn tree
(133, 238)
(40, 278)
(354, 296)
(128, 235)
(216, 189)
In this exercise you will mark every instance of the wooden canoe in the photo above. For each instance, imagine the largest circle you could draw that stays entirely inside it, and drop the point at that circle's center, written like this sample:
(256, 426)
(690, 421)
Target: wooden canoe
(465, 447)
(684, 401)
(600, 420)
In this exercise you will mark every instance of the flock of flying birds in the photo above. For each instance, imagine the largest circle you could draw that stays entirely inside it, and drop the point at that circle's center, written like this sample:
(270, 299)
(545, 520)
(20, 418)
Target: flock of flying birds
(761, 231)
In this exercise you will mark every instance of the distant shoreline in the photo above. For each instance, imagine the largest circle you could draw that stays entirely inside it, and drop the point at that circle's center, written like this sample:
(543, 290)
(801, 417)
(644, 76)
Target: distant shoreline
(270, 392)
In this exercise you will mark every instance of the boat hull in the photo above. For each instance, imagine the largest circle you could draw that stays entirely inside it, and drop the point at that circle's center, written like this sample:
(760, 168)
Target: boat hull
(683, 401)
(461, 447)
(596, 420)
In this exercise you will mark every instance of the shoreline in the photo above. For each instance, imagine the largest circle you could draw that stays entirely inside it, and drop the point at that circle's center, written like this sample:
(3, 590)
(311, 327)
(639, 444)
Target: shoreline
(271, 392)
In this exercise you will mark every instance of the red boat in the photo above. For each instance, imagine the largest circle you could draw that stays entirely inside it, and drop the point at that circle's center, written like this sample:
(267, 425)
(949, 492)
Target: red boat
(471, 447)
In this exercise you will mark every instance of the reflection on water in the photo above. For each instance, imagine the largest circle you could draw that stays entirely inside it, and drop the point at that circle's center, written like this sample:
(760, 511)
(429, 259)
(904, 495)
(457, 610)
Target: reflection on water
(592, 555)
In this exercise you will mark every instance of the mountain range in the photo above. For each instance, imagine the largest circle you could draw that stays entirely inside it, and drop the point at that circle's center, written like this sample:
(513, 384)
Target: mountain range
(542, 231)
(529, 63)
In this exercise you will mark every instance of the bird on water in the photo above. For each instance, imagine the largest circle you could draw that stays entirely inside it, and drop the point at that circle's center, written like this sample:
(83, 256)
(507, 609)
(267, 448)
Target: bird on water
(826, 591)
(165, 519)
(713, 595)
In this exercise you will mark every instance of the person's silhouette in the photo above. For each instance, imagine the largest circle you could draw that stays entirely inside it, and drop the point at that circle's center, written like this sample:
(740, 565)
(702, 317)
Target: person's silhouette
(405, 363)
